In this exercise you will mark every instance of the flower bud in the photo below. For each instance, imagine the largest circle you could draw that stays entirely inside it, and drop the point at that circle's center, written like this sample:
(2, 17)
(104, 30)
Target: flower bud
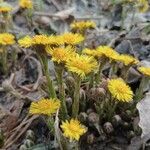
(23, 147)
(108, 128)
(28, 143)
(116, 120)
(90, 138)
(82, 94)
(83, 117)
(93, 118)
(7, 86)
(70, 82)
(30, 135)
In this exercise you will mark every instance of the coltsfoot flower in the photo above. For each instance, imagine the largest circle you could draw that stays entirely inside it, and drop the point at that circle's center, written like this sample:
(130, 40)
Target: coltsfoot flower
(5, 7)
(145, 71)
(81, 65)
(108, 52)
(40, 40)
(72, 38)
(82, 25)
(128, 60)
(25, 42)
(60, 54)
(7, 39)
(92, 52)
(45, 106)
(26, 4)
(142, 5)
(73, 129)
(120, 90)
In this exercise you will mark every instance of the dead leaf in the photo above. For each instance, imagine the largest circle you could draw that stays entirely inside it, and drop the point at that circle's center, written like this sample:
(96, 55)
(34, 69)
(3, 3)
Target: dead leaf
(144, 112)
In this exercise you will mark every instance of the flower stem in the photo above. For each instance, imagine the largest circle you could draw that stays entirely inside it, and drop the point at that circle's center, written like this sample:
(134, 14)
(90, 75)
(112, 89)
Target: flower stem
(75, 106)
(44, 62)
(63, 110)
(140, 90)
(4, 61)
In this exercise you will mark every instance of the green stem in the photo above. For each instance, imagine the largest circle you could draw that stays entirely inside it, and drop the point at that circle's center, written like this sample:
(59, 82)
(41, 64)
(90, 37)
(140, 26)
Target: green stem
(44, 62)
(5, 61)
(113, 70)
(91, 84)
(75, 106)
(139, 92)
(98, 74)
(112, 108)
(59, 72)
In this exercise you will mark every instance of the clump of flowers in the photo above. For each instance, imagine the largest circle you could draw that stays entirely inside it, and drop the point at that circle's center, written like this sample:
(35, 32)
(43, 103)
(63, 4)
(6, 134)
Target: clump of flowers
(45, 106)
(27, 4)
(73, 129)
(120, 90)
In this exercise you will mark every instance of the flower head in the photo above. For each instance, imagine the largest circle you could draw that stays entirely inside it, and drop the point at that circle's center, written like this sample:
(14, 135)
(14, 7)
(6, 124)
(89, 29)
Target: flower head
(6, 39)
(92, 52)
(73, 129)
(72, 38)
(108, 52)
(81, 65)
(45, 106)
(142, 5)
(26, 4)
(144, 70)
(120, 90)
(83, 25)
(25, 42)
(5, 7)
(60, 54)
(40, 40)
(128, 60)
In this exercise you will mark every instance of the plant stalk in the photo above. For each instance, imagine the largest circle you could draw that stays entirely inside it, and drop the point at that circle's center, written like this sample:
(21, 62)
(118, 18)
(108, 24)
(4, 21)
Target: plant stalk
(75, 106)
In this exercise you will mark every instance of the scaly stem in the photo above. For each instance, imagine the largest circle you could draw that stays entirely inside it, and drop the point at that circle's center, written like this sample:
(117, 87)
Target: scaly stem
(63, 110)
(139, 92)
(44, 62)
(4, 61)
(98, 74)
(75, 106)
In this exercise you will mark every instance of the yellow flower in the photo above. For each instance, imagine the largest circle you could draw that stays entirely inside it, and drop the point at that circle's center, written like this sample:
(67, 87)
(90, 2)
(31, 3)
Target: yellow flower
(144, 70)
(72, 38)
(128, 60)
(60, 54)
(55, 40)
(5, 7)
(6, 39)
(143, 5)
(25, 42)
(26, 4)
(73, 129)
(40, 40)
(45, 106)
(120, 90)
(81, 65)
(92, 52)
(108, 52)
(82, 25)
